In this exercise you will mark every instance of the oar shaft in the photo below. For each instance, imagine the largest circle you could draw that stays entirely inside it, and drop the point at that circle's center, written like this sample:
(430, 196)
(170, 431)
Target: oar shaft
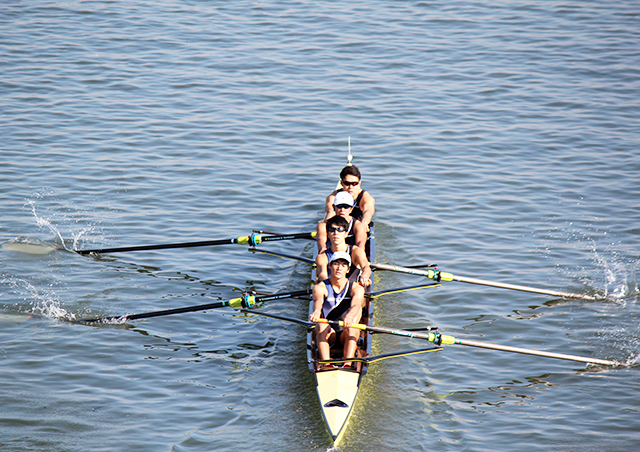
(146, 315)
(527, 351)
(441, 339)
(245, 301)
(444, 276)
(253, 239)
(303, 235)
(161, 246)
(523, 288)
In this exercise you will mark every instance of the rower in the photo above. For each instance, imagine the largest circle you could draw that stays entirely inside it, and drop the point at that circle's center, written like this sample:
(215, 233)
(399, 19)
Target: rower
(360, 270)
(337, 298)
(343, 206)
(364, 204)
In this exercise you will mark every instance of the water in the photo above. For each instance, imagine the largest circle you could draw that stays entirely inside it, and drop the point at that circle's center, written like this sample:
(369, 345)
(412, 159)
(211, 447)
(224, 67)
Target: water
(499, 140)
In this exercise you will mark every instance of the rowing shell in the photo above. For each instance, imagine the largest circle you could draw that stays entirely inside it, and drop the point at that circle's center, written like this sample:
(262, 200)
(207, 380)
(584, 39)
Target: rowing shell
(337, 388)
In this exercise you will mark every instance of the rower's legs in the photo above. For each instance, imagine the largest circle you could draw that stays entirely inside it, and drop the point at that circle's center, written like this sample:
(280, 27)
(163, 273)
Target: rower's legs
(324, 337)
(350, 338)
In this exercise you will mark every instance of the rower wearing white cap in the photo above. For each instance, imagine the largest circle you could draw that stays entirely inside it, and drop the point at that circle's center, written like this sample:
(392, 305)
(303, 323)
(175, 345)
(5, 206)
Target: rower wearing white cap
(337, 298)
(336, 229)
(343, 206)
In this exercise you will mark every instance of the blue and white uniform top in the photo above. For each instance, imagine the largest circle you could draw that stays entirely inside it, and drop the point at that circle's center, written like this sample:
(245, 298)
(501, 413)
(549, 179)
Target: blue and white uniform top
(336, 304)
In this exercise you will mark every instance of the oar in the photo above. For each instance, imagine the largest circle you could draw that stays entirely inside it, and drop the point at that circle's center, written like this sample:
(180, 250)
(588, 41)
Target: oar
(438, 275)
(253, 240)
(379, 293)
(306, 260)
(441, 339)
(244, 302)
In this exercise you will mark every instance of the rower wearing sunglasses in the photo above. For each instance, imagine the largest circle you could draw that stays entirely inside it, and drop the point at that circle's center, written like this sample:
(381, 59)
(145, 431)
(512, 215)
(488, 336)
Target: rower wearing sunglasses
(363, 205)
(360, 270)
(337, 203)
(356, 230)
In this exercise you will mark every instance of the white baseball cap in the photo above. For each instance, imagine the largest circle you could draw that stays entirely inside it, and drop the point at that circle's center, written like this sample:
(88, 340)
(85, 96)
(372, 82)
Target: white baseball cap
(342, 197)
(341, 255)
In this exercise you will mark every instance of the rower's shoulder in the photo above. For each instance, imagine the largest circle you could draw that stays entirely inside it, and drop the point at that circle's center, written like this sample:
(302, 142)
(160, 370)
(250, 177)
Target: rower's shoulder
(357, 290)
(366, 196)
(320, 288)
(358, 224)
(332, 194)
(358, 252)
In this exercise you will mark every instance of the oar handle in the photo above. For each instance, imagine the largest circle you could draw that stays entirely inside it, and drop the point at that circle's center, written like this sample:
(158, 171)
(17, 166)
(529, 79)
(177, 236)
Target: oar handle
(382, 329)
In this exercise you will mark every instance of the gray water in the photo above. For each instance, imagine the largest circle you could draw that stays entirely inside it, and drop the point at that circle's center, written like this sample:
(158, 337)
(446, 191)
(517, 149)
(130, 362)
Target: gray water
(499, 139)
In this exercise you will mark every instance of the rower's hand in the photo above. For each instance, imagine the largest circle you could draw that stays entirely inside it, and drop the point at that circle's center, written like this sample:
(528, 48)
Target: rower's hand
(348, 321)
(364, 281)
(315, 315)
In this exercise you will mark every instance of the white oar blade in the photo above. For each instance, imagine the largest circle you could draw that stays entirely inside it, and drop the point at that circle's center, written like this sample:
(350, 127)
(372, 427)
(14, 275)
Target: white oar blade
(29, 246)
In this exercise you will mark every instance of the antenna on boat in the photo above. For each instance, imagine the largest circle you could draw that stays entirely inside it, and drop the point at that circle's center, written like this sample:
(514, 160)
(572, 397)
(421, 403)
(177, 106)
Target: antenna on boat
(349, 157)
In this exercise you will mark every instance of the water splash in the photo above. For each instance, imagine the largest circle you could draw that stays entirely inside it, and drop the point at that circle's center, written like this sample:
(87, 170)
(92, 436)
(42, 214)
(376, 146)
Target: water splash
(56, 217)
(620, 275)
(45, 304)
(42, 222)
(614, 269)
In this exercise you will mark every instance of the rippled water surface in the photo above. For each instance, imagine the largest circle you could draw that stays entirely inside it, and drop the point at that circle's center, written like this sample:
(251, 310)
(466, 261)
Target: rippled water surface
(499, 139)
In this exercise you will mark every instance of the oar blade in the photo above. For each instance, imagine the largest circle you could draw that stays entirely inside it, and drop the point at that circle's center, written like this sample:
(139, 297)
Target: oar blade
(30, 246)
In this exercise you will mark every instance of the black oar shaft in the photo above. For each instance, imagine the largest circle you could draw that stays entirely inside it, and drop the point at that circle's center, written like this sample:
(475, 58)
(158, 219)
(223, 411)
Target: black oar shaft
(159, 247)
(246, 300)
(146, 315)
(202, 307)
(253, 239)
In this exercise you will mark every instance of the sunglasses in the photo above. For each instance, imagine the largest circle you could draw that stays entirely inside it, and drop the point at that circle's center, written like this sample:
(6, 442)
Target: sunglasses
(349, 184)
(343, 206)
(338, 229)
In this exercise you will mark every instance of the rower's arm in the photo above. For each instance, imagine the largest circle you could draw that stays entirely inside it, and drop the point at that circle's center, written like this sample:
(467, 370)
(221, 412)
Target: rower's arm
(322, 264)
(357, 303)
(368, 207)
(360, 260)
(360, 234)
(319, 293)
(328, 206)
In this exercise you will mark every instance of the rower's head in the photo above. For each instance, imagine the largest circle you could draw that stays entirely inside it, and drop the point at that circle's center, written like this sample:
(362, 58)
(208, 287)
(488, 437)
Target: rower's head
(337, 228)
(350, 179)
(343, 204)
(339, 264)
